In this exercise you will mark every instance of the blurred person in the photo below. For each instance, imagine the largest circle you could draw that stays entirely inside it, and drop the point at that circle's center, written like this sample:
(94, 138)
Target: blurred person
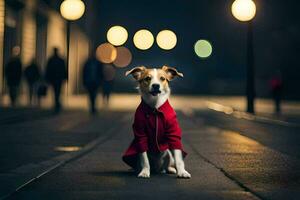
(33, 76)
(276, 89)
(108, 80)
(13, 74)
(56, 74)
(92, 79)
(42, 89)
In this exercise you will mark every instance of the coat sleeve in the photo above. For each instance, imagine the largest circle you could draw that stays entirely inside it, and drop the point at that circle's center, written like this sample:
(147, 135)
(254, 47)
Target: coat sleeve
(141, 139)
(173, 132)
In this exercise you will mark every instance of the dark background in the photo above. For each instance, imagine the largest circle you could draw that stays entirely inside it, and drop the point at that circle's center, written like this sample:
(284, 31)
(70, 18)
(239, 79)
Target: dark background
(276, 42)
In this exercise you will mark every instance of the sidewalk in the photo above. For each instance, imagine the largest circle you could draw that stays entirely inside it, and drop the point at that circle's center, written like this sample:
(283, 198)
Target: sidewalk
(101, 174)
(224, 165)
(251, 162)
(34, 142)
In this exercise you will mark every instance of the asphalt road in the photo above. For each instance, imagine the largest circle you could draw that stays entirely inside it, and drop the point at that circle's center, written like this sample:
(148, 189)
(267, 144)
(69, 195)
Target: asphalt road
(228, 158)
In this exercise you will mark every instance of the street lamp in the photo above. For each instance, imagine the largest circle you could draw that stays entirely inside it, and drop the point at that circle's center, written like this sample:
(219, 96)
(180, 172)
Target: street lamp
(71, 10)
(245, 10)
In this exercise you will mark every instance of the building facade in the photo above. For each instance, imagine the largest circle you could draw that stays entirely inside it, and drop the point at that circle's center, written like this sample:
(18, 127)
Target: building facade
(37, 27)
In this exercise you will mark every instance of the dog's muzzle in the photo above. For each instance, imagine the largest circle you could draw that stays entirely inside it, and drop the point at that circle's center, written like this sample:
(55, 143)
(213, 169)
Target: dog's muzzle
(155, 90)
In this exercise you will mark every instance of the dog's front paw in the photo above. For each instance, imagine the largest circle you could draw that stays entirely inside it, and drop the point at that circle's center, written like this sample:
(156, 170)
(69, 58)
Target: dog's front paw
(145, 173)
(171, 170)
(183, 174)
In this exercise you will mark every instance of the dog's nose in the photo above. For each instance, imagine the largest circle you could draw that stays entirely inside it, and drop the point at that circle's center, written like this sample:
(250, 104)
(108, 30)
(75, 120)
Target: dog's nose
(155, 86)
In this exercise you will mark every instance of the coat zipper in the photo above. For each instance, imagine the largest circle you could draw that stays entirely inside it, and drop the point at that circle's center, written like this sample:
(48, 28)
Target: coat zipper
(156, 132)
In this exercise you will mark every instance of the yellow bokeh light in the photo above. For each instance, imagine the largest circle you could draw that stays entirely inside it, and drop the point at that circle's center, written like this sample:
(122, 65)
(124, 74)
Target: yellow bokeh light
(243, 10)
(124, 57)
(106, 53)
(117, 35)
(203, 48)
(166, 39)
(143, 39)
(72, 9)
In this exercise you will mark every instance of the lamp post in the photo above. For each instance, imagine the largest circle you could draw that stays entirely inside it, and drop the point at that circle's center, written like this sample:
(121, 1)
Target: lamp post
(245, 10)
(71, 10)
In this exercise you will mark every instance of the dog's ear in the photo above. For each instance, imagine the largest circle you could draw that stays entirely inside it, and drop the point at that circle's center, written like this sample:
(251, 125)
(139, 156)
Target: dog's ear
(136, 72)
(171, 72)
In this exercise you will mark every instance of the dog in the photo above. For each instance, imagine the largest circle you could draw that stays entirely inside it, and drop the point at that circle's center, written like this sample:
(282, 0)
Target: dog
(157, 143)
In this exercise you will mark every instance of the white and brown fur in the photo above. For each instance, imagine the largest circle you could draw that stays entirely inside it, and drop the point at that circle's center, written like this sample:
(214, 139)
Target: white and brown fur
(155, 91)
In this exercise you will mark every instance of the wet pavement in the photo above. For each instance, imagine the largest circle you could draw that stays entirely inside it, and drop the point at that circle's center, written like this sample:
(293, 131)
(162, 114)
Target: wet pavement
(281, 137)
(32, 136)
(229, 158)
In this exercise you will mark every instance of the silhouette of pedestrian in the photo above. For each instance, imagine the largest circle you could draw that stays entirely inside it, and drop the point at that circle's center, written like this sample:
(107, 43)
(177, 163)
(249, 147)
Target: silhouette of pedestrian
(92, 78)
(13, 75)
(108, 80)
(33, 76)
(56, 74)
(276, 89)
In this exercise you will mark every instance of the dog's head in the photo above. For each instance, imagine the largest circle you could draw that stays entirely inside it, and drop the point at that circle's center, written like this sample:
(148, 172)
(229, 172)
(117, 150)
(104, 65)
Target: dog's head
(154, 82)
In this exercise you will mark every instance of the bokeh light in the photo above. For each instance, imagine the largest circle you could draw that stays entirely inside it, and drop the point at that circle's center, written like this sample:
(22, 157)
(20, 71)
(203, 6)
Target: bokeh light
(143, 39)
(106, 53)
(243, 10)
(166, 39)
(72, 9)
(124, 57)
(117, 35)
(203, 48)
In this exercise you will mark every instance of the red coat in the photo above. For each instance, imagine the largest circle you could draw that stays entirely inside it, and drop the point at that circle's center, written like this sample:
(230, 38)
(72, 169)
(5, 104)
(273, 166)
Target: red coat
(155, 130)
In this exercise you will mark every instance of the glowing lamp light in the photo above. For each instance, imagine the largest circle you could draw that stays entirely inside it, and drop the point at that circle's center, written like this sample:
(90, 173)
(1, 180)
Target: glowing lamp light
(203, 48)
(243, 10)
(143, 39)
(72, 9)
(117, 35)
(166, 39)
(124, 57)
(106, 53)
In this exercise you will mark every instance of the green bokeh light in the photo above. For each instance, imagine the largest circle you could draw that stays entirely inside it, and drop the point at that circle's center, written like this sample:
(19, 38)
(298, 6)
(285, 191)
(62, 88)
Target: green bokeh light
(203, 48)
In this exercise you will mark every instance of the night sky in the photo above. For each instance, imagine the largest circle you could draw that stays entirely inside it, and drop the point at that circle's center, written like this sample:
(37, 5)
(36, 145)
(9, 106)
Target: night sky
(276, 41)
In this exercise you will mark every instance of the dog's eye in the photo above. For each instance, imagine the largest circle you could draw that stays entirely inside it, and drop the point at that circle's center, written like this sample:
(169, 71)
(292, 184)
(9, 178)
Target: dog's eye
(162, 78)
(148, 78)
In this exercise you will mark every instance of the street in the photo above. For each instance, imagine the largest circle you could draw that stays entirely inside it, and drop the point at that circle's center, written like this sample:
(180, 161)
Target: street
(229, 158)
